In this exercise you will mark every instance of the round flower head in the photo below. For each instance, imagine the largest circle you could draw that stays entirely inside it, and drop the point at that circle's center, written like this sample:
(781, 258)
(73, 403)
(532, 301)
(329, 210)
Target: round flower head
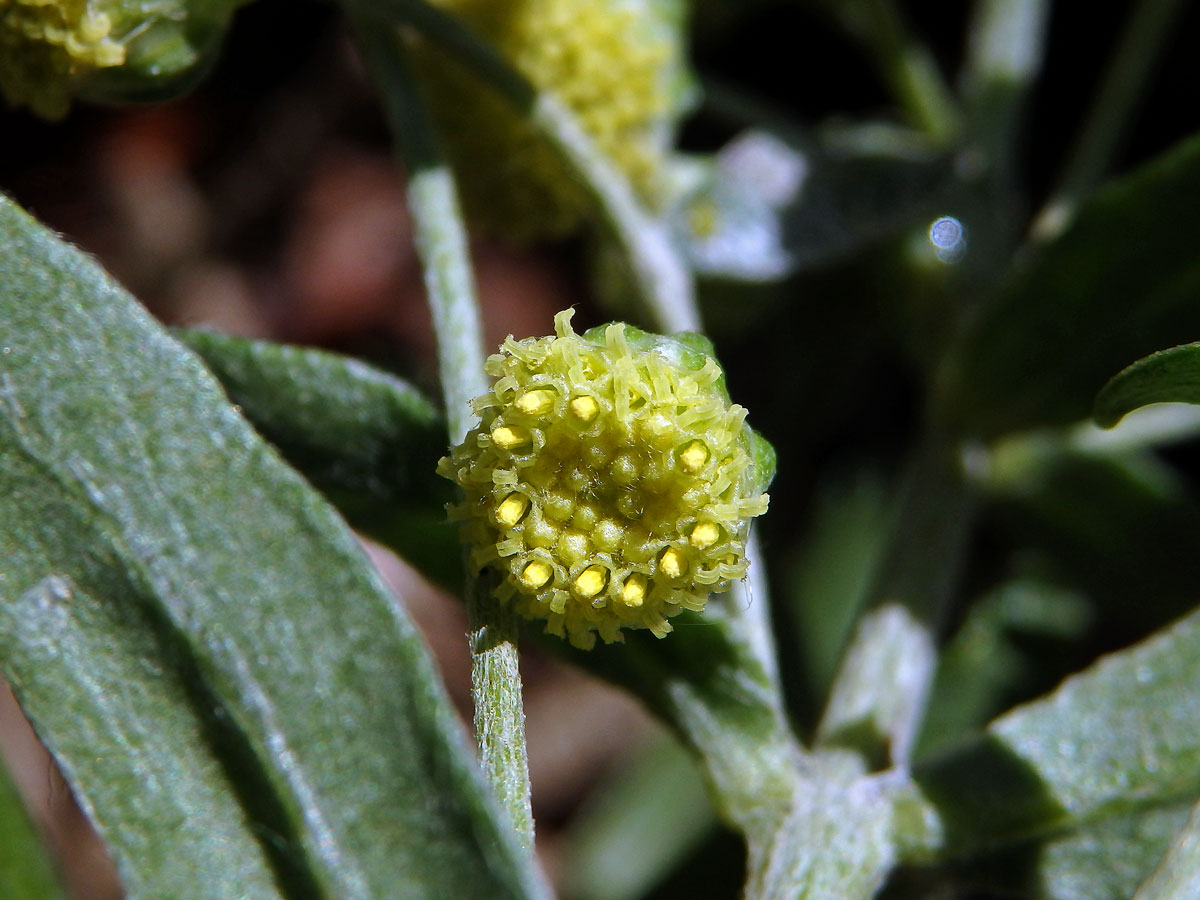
(52, 50)
(610, 482)
(617, 64)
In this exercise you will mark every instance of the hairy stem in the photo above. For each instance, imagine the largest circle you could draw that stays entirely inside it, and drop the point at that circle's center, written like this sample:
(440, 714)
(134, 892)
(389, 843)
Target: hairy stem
(663, 281)
(442, 245)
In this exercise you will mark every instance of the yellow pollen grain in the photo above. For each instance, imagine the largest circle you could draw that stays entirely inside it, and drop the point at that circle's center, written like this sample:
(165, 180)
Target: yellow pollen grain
(536, 574)
(704, 535)
(591, 581)
(634, 590)
(693, 457)
(671, 563)
(535, 403)
(512, 510)
(585, 408)
(510, 437)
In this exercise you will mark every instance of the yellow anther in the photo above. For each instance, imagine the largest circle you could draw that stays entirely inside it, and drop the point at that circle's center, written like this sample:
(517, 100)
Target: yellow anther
(704, 535)
(693, 457)
(510, 437)
(591, 581)
(671, 563)
(536, 574)
(585, 408)
(512, 510)
(535, 403)
(634, 590)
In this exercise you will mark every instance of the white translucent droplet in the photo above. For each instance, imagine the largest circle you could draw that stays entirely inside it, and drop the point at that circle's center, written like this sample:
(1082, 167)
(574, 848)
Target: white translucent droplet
(949, 238)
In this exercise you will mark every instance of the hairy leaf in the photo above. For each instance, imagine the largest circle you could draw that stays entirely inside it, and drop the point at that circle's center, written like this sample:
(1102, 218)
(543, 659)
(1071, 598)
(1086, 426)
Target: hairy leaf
(1102, 861)
(368, 440)
(132, 481)
(1177, 877)
(1116, 737)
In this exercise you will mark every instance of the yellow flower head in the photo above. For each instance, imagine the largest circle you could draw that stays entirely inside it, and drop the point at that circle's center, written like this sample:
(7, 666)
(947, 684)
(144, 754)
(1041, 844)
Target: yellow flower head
(610, 482)
(51, 50)
(45, 46)
(617, 64)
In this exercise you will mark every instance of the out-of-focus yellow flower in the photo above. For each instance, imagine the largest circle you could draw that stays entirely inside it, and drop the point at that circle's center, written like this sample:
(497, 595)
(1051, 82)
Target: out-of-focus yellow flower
(610, 482)
(53, 50)
(617, 64)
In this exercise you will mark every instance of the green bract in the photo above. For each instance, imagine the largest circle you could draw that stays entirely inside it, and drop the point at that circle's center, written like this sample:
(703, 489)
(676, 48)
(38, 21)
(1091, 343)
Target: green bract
(610, 482)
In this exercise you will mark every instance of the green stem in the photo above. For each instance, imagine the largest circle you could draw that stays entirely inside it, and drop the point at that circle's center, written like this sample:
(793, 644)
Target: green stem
(906, 64)
(442, 245)
(1148, 28)
(663, 281)
(879, 693)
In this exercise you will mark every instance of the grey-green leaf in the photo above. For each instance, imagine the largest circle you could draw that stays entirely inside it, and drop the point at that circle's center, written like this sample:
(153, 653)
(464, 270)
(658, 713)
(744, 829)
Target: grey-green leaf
(114, 709)
(1168, 376)
(331, 715)
(1102, 861)
(1121, 282)
(1177, 877)
(25, 869)
(368, 440)
(1121, 735)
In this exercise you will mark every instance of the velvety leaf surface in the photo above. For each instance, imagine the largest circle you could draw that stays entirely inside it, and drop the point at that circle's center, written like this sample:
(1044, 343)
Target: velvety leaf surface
(1167, 376)
(1118, 736)
(368, 440)
(333, 718)
(1103, 861)
(25, 870)
(1122, 282)
(1177, 876)
(112, 706)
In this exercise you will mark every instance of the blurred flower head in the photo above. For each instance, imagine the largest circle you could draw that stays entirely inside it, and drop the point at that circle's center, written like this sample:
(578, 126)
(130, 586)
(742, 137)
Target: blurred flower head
(54, 50)
(617, 64)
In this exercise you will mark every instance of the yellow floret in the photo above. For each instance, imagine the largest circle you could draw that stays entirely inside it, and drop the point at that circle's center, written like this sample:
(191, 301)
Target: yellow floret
(45, 45)
(623, 506)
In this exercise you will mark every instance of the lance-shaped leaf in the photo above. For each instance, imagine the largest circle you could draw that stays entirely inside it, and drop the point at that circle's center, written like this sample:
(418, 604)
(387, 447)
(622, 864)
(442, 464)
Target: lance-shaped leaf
(1177, 876)
(124, 449)
(1169, 376)
(1121, 282)
(1102, 861)
(1119, 736)
(366, 439)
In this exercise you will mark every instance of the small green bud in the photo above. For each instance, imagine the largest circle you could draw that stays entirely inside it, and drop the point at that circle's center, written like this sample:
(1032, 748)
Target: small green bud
(111, 50)
(610, 482)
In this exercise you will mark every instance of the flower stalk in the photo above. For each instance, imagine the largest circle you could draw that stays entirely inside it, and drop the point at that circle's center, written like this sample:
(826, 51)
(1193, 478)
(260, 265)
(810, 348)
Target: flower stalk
(442, 245)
